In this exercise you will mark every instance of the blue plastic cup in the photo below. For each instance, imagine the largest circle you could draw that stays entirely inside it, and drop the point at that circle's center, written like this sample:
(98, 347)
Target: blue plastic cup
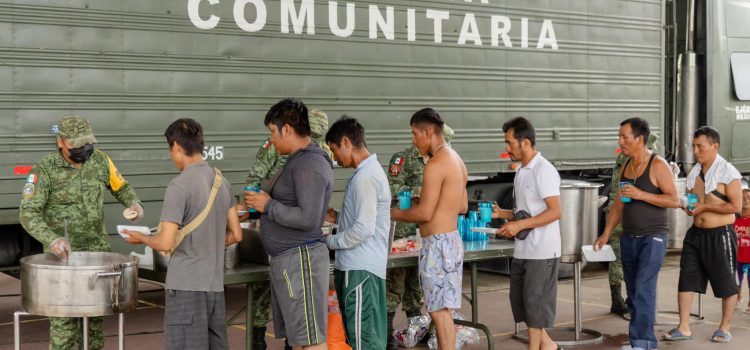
(252, 189)
(485, 211)
(474, 215)
(404, 200)
(460, 224)
(623, 198)
(692, 199)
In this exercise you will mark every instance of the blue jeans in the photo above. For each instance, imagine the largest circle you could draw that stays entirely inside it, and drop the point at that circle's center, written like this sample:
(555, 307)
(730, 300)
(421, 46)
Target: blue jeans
(641, 260)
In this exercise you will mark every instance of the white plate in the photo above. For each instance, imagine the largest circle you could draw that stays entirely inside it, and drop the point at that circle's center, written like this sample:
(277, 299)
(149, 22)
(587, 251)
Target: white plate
(484, 229)
(142, 229)
(604, 254)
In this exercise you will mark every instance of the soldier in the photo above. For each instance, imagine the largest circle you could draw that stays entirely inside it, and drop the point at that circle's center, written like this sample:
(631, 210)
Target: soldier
(65, 192)
(615, 267)
(402, 284)
(267, 163)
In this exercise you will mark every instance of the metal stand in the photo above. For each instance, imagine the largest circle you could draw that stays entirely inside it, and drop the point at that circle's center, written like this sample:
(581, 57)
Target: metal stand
(17, 330)
(594, 336)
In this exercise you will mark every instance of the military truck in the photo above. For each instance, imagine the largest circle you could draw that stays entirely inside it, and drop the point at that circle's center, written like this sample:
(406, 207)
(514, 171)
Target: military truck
(574, 68)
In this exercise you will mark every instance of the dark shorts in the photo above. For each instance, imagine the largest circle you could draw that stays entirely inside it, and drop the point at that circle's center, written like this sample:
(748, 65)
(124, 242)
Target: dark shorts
(533, 291)
(195, 320)
(299, 286)
(709, 255)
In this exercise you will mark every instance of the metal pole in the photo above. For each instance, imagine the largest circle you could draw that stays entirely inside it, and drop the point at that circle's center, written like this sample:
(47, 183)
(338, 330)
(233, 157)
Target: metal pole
(17, 329)
(700, 305)
(577, 299)
(474, 309)
(121, 331)
(85, 333)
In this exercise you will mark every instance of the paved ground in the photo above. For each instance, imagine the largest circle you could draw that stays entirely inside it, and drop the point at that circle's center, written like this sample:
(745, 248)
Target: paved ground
(144, 326)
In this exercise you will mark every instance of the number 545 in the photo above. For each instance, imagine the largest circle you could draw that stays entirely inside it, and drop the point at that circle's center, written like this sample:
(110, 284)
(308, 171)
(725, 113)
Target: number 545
(213, 152)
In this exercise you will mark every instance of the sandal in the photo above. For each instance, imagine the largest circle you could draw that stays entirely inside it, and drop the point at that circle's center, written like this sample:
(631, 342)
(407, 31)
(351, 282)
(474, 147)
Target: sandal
(721, 337)
(675, 335)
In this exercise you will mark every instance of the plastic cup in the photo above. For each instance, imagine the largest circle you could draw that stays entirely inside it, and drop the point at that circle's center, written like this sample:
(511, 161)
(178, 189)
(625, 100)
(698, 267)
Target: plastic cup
(692, 198)
(404, 200)
(252, 189)
(623, 198)
(485, 211)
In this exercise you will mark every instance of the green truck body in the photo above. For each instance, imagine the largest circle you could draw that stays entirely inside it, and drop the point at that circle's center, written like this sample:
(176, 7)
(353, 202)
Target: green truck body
(574, 68)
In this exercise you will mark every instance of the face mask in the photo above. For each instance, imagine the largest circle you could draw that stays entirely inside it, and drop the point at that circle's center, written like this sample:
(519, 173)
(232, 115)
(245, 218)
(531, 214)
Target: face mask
(81, 154)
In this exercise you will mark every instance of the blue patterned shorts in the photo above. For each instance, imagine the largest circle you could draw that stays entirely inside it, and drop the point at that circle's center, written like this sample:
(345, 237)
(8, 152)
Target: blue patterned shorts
(441, 261)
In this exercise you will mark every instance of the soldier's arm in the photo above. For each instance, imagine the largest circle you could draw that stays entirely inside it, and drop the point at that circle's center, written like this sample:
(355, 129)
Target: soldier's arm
(33, 203)
(398, 176)
(118, 186)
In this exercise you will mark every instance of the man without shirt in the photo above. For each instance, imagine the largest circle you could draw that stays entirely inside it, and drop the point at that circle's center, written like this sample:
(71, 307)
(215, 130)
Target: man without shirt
(709, 252)
(443, 197)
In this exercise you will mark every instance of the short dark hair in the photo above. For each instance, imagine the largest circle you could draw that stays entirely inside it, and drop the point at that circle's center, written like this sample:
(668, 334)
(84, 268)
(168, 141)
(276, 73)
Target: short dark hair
(427, 116)
(289, 111)
(187, 133)
(638, 127)
(709, 132)
(349, 127)
(522, 129)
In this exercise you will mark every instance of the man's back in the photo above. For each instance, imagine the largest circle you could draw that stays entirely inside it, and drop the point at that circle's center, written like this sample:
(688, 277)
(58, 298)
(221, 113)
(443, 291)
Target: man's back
(197, 264)
(447, 169)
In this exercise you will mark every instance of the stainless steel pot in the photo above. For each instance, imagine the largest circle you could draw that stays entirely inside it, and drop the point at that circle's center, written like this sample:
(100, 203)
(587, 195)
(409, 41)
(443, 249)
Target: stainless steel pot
(88, 284)
(578, 224)
(679, 222)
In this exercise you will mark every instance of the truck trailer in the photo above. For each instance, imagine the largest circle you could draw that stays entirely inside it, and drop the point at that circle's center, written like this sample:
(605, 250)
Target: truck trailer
(576, 69)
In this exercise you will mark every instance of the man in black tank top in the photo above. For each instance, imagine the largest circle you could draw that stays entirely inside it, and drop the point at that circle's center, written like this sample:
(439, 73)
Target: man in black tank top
(647, 190)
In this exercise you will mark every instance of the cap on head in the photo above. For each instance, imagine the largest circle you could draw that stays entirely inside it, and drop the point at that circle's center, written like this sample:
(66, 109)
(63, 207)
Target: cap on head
(447, 133)
(76, 130)
(318, 123)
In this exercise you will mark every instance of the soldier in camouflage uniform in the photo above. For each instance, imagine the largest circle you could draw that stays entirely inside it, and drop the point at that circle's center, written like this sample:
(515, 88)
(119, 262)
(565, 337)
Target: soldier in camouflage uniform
(405, 172)
(615, 267)
(65, 190)
(267, 163)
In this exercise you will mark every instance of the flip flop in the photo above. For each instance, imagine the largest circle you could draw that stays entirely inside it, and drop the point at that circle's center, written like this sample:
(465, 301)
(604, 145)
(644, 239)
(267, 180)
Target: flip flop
(721, 337)
(675, 335)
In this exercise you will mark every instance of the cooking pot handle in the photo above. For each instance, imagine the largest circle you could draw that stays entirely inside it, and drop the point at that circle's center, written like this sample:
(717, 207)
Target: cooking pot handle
(93, 278)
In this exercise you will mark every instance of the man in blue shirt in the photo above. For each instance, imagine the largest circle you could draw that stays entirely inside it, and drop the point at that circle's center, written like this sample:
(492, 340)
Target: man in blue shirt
(361, 243)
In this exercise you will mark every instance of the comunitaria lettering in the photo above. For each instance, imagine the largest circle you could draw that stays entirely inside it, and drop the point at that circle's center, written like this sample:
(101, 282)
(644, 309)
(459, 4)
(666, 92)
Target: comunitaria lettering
(381, 22)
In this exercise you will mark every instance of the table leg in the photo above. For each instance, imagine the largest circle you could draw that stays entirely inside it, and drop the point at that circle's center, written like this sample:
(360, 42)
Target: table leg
(249, 318)
(474, 306)
(17, 329)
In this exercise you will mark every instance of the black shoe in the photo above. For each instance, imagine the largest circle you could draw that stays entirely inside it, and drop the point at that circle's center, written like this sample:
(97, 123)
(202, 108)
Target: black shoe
(286, 345)
(259, 338)
(618, 304)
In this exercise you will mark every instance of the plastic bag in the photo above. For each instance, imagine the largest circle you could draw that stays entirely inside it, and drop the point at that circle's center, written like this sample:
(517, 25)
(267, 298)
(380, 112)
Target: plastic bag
(336, 336)
(464, 335)
(414, 332)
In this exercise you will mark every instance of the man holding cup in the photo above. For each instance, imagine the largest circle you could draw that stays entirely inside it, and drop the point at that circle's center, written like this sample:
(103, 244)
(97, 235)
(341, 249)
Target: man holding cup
(709, 252)
(650, 190)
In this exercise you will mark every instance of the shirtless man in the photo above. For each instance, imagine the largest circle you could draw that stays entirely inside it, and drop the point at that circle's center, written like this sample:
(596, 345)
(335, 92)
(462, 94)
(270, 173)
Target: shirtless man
(709, 252)
(442, 199)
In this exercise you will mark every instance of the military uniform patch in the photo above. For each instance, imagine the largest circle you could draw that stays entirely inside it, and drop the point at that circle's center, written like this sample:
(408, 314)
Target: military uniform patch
(395, 169)
(266, 145)
(28, 190)
(32, 178)
(116, 181)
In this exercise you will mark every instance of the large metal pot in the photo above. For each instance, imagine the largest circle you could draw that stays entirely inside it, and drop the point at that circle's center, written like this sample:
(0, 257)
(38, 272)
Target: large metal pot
(88, 284)
(578, 224)
(679, 221)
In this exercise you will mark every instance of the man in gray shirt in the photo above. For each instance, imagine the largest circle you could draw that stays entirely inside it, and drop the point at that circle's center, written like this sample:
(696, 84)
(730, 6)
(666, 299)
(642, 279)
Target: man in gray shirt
(195, 316)
(293, 205)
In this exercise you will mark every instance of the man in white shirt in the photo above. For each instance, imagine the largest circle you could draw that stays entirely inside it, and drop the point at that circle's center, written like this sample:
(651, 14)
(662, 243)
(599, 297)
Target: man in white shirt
(533, 273)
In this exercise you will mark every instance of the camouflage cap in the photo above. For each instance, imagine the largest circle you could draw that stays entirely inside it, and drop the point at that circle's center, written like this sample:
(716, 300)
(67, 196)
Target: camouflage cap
(76, 130)
(447, 133)
(318, 123)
